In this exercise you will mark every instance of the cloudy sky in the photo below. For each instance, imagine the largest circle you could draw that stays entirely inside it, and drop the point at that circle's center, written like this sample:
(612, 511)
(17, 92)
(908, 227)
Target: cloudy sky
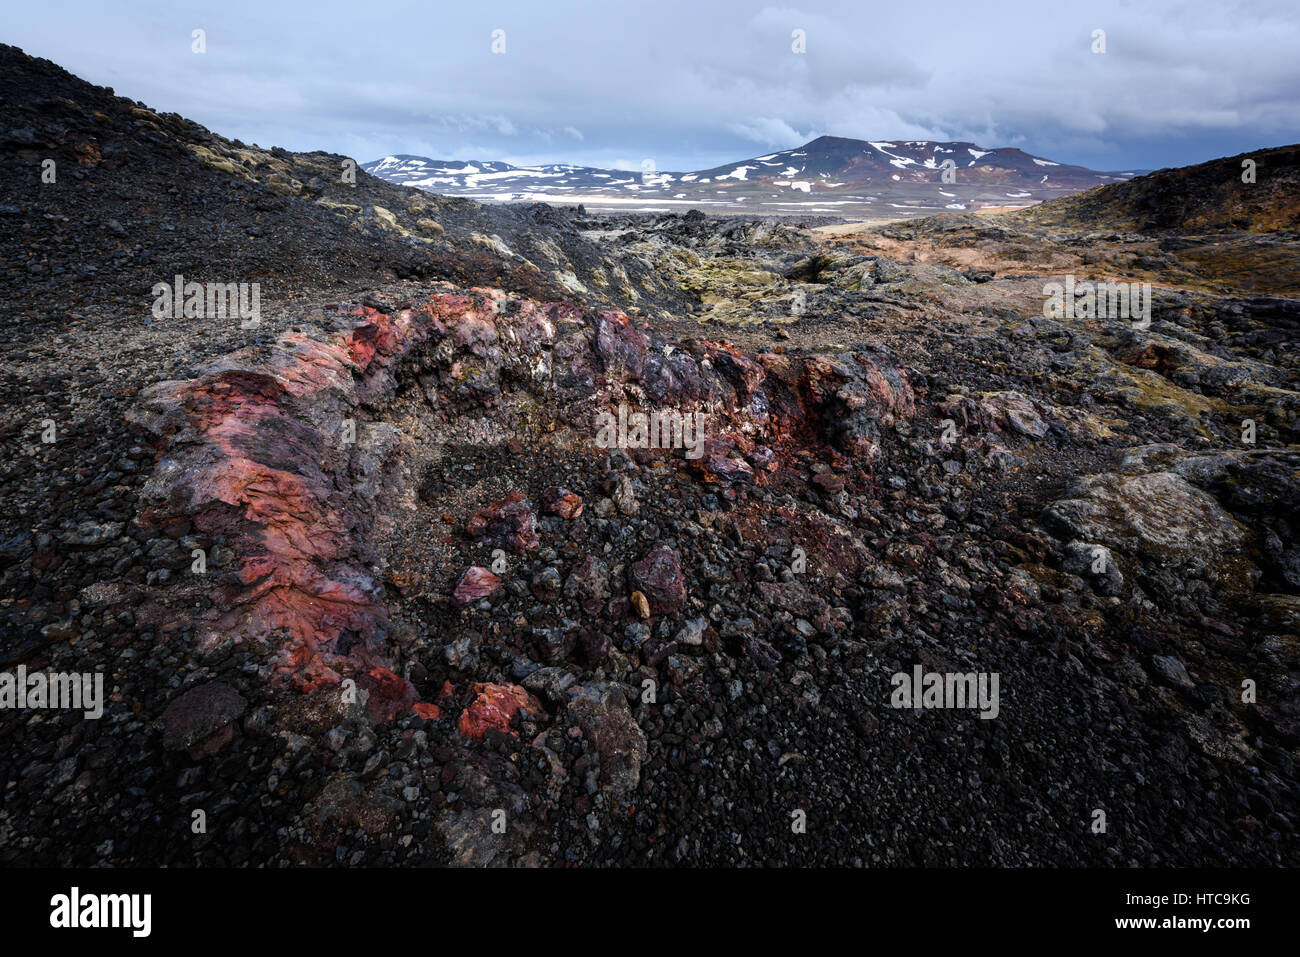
(694, 84)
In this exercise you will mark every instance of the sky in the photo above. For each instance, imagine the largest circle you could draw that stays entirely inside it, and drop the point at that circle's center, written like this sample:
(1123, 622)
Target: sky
(692, 85)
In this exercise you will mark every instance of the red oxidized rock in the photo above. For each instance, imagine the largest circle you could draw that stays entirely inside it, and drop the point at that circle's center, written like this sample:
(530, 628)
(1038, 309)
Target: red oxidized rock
(659, 576)
(494, 707)
(426, 710)
(250, 450)
(474, 583)
(745, 374)
(829, 482)
(560, 501)
(252, 455)
(390, 695)
(505, 524)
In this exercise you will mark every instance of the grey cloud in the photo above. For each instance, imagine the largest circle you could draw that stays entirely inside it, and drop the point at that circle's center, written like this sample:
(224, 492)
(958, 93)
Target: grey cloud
(695, 84)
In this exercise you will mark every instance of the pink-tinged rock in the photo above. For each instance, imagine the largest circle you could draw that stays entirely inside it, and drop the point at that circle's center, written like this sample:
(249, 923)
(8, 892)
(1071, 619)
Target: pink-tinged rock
(505, 524)
(798, 601)
(621, 347)
(251, 454)
(744, 373)
(971, 416)
(494, 707)
(474, 583)
(427, 710)
(390, 695)
(761, 457)
(589, 584)
(730, 470)
(659, 577)
(560, 501)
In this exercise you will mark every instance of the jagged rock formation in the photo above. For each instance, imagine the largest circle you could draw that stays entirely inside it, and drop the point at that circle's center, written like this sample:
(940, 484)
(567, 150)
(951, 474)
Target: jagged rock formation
(268, 454)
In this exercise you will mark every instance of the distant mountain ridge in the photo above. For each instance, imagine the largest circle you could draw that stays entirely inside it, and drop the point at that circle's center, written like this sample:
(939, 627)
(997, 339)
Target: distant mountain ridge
(828, 174)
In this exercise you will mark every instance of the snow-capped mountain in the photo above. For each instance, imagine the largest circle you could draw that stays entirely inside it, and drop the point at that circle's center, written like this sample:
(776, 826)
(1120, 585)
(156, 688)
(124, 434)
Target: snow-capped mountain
(829, 174)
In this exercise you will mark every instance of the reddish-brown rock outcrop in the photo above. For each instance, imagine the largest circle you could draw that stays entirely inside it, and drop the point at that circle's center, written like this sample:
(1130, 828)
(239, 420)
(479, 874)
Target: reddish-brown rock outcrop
(282, 456)
(494, 707)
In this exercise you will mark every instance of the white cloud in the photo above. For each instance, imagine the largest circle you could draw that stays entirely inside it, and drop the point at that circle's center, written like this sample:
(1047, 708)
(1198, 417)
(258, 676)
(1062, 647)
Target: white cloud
(770, 131)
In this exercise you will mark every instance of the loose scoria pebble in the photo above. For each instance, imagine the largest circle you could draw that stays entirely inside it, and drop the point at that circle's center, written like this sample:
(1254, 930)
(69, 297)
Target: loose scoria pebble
(493, 707)
(560, 501)
(201, 719)
(505, 524)
(474, 583)
(659, 577)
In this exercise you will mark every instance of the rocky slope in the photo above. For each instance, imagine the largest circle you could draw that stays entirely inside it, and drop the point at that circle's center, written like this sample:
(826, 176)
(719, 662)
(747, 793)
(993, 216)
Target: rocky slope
(437, 622)
(1254, 192)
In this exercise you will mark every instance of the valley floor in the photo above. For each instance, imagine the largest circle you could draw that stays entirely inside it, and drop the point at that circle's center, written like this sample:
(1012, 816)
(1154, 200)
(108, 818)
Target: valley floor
(770, 677)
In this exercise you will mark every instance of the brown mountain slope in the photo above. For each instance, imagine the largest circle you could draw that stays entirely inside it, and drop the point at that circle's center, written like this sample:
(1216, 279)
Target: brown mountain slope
(1199, 227)
(1209, 197)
